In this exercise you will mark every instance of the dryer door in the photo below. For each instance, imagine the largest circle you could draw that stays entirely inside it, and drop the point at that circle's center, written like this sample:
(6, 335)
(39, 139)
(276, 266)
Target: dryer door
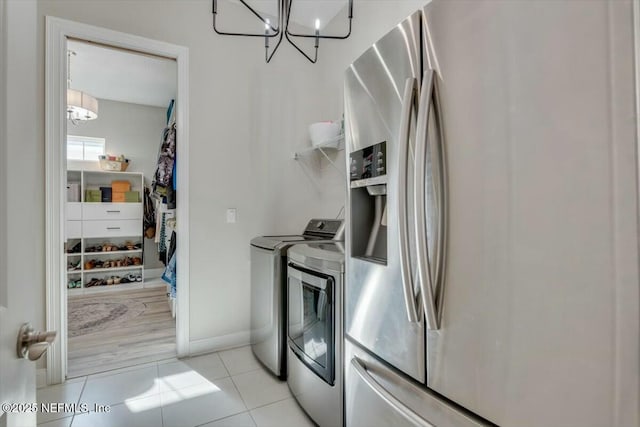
(311, 320)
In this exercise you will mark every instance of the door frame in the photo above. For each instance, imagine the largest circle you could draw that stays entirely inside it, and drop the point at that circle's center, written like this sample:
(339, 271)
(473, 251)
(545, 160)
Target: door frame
(57, 32)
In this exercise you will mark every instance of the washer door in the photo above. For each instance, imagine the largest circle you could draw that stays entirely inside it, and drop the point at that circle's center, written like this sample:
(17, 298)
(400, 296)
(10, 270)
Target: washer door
(311, 320)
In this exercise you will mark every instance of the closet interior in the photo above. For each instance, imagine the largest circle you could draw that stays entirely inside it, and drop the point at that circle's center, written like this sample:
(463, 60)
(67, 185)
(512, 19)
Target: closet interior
(120, 222)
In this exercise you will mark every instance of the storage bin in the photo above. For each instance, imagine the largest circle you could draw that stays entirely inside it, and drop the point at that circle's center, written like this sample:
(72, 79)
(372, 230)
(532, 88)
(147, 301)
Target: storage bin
(106, 194)
(92, 196)
(113, 165)
(132, 197)
(117, 196)
(120, 186)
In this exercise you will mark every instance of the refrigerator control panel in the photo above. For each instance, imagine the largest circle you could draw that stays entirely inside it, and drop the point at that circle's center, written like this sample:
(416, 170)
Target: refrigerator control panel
(369, 162)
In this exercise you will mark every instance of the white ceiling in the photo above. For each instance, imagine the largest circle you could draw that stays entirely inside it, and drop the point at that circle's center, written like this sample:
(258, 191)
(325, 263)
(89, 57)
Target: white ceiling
(123, 76)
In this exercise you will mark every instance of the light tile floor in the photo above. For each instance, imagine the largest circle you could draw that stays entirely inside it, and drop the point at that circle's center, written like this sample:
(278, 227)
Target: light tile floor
(229, 388)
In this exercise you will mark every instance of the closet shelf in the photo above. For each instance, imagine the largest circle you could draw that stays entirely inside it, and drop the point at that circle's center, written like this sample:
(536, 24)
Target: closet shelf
(106, 288)
(91, 223)
(101, 270)
(98, 253)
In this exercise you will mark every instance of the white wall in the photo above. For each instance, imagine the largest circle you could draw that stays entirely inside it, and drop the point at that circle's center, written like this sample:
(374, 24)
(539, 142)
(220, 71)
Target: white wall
(246, 119)
(135, 131)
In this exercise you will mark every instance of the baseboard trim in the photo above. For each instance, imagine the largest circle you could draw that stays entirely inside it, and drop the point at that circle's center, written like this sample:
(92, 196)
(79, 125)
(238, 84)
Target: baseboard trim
(41, 377)
(225, 342)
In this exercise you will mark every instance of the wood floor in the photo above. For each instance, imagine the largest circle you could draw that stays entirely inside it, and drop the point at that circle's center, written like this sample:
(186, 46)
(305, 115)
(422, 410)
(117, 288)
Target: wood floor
(148, 337)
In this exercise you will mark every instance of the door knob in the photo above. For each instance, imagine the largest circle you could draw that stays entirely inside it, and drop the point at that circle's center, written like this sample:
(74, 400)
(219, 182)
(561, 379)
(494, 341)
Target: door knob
(32, 344)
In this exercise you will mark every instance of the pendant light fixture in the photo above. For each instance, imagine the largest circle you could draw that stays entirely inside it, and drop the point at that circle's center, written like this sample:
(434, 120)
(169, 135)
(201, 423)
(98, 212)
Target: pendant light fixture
(80, 105)
(281, 29)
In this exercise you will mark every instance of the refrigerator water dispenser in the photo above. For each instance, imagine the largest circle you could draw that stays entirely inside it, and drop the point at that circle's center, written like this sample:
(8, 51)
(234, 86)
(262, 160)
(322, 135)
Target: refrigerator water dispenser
(368, 178)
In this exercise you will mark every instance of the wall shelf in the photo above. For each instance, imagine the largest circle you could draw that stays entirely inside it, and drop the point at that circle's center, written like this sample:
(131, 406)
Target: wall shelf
(336, 144)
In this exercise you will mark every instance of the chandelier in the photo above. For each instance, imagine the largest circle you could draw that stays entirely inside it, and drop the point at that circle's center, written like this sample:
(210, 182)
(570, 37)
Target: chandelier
(80, 105)
(280, 29)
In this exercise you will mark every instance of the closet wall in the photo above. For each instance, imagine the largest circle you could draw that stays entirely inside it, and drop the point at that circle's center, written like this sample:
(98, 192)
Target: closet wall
(135, 131)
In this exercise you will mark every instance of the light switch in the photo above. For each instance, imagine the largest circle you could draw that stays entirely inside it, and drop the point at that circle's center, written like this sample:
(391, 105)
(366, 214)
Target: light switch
(232, 215)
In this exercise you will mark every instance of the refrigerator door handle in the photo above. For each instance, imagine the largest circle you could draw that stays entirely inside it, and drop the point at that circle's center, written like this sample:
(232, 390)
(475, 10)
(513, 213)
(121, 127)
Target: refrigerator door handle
(410, 91)
(389, 398)
(426, 275)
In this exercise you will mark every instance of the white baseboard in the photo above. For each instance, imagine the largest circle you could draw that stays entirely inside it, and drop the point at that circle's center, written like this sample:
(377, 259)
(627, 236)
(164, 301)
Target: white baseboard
(153, 273)
(225, 342)
(41, 377)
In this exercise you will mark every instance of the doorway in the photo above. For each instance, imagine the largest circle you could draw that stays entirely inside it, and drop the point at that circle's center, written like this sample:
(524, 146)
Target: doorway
(120, 208)
(104, 286)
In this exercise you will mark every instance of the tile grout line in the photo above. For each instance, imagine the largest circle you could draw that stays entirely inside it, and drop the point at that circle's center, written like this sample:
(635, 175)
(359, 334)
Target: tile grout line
(220, 419)
(222, 360)
(252, 419)
(272, 403)
(235, 386)
(259, 368)
(84, 384)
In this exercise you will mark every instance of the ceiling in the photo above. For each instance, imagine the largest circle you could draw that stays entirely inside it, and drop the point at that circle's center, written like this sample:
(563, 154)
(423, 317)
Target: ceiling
(118, 75)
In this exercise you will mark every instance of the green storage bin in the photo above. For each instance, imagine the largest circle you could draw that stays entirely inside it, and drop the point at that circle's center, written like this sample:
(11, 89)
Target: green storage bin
(93, 196)
(131, 196)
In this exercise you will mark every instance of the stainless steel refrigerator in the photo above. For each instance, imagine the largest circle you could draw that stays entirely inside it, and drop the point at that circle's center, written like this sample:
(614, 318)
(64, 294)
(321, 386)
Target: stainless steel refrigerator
(492, 238)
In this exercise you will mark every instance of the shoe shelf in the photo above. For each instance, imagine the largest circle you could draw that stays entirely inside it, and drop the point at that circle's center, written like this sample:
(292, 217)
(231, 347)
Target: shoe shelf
(101, 270)
(105, 288)
(99, 253)
(98, 232)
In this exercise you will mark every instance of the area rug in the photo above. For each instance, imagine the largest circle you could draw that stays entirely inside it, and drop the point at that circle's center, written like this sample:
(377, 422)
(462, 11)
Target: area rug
(86, 316)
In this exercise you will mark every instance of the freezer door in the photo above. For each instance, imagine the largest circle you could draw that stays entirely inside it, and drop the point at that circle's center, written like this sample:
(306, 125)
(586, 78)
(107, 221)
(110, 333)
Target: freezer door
(540, 308)
(378, 397)
(381, 95)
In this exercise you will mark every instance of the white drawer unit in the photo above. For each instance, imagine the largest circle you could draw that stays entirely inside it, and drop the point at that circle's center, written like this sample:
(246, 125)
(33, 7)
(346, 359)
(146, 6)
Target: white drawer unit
(74, 229)
(112, 228)
(111, 211)
(74, 211)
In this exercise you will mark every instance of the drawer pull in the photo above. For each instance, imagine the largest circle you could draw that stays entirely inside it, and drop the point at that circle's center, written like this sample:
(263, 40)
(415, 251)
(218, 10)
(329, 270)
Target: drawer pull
(113, 211)
(113, 228)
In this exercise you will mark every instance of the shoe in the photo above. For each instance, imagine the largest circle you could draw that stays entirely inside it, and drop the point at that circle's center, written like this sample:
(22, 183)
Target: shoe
(138, 278)
(75, 249)
(72, 266)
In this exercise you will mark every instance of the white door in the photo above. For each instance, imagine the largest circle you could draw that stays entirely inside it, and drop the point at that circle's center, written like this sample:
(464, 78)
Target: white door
(20, 284)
